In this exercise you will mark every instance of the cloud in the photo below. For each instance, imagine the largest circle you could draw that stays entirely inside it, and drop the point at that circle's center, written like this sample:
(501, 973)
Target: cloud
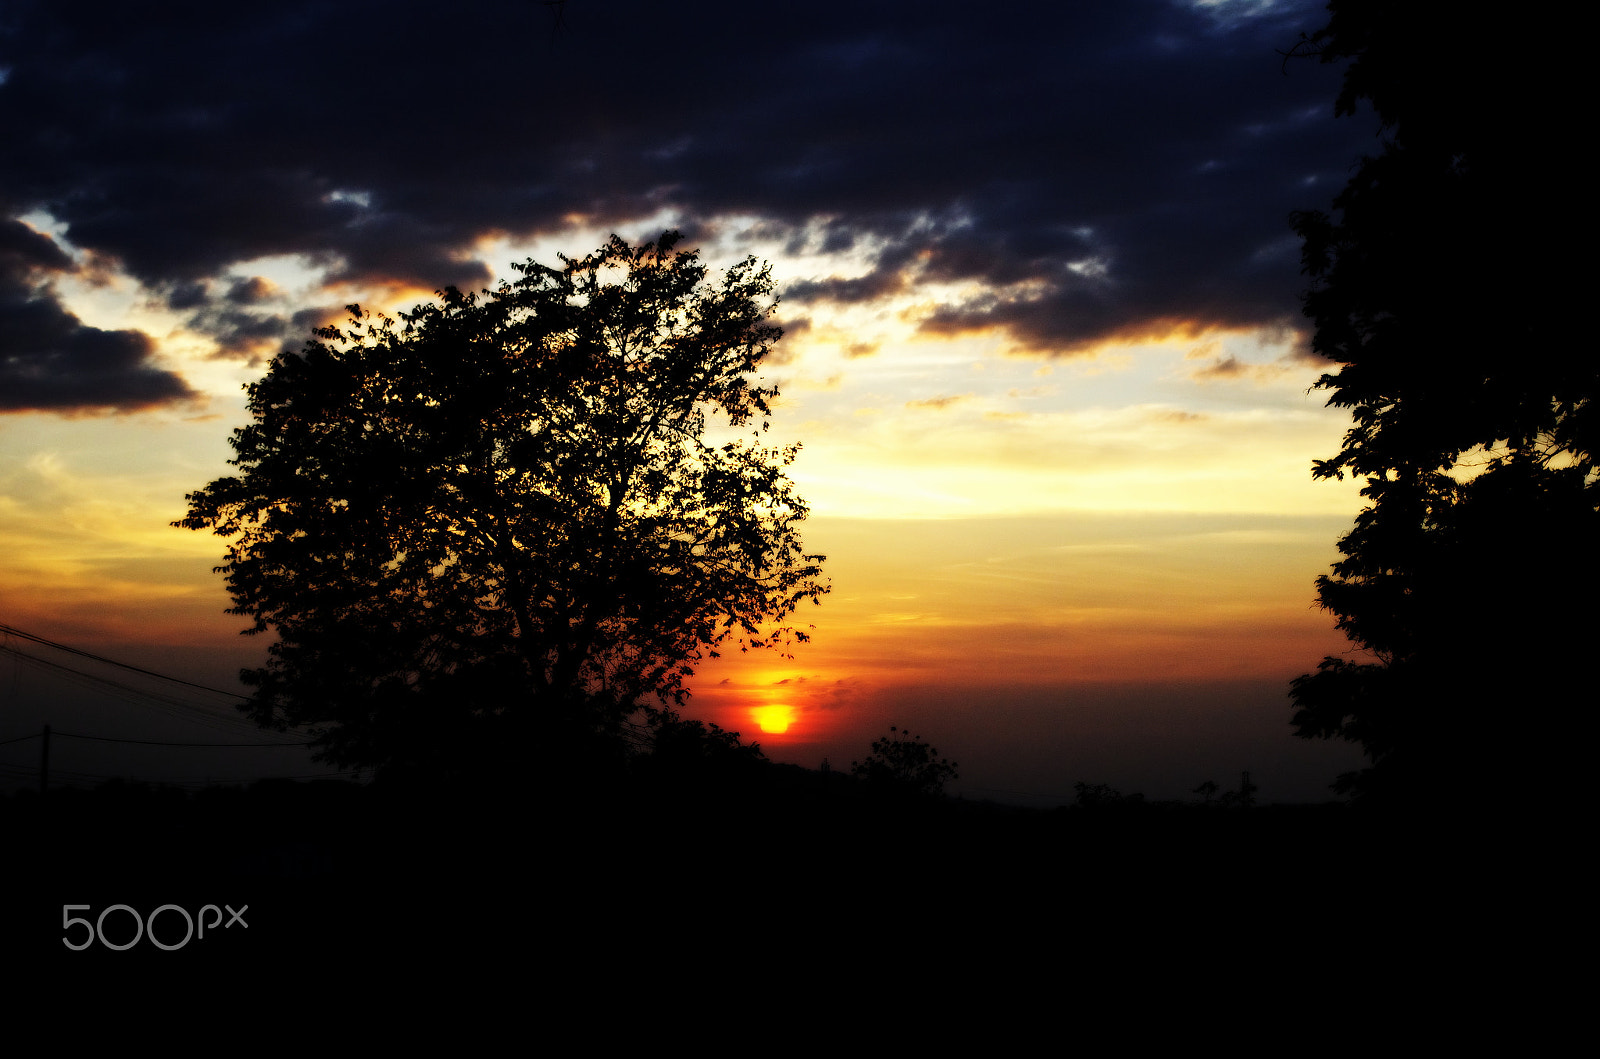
(1063, 174)
(939, 404)
(1217, 366)
(24, 252)
(252, 291)
(1177, 415)
(49, 359)
(871, 287)
(250, 320)
(1223, 367)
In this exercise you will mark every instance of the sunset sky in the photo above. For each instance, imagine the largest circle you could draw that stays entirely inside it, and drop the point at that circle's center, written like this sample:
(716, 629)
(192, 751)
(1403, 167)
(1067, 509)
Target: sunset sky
(1043, 345)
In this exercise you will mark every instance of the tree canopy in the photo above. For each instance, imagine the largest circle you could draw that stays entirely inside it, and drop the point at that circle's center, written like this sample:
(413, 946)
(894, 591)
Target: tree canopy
(508, 516)
(1444, 290)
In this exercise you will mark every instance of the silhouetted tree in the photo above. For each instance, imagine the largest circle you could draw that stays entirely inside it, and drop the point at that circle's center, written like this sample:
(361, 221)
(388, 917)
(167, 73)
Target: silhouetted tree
(504, 519)
(901, 761)
(1444, 289)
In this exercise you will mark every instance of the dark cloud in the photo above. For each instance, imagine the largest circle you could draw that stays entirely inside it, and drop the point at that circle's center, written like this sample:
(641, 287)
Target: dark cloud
(784, 353)
(24, 251)
(866, 288)
(252, 291)
(307, 320)
(249, 319)
(49, 359)
(1098, 167)
(243, 333)
(188, 295)
(1227, 367)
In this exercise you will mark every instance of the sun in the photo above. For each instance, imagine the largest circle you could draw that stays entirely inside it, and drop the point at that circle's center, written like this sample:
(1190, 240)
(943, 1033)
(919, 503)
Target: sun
(774, 720)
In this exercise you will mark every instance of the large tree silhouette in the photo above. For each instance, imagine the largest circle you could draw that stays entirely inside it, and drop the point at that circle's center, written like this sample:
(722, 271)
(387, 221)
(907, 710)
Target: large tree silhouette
(502, 526)
(1444, 289)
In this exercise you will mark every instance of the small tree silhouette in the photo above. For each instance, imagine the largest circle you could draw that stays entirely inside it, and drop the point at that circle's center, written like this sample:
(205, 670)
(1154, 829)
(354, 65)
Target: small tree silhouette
(902, 761)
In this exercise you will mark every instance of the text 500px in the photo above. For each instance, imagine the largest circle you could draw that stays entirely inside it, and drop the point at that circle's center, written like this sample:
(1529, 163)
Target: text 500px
(143, 926)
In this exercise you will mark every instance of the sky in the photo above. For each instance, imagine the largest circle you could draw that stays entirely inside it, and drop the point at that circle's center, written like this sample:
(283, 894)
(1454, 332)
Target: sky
(1043, 345)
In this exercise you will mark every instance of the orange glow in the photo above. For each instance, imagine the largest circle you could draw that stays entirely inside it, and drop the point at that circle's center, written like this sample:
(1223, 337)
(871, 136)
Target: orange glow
(774, 720)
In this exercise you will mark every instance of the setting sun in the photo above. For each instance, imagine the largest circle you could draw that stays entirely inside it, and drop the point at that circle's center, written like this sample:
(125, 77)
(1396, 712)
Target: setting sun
(774, 720)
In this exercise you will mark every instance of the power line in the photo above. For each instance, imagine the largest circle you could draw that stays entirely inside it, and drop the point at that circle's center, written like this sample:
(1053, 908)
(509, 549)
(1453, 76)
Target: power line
(11, 630)
(152, 742)
(134, 696)
(69, 777)
(147, 688)
(196, 712)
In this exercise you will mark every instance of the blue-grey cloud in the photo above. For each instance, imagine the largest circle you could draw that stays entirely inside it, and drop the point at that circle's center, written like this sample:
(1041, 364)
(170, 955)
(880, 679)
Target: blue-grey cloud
(52, 361)
(1096, 166)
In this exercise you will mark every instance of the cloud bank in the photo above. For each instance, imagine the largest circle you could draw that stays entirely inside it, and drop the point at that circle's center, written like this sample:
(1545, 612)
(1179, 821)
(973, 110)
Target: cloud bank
(1064, 174)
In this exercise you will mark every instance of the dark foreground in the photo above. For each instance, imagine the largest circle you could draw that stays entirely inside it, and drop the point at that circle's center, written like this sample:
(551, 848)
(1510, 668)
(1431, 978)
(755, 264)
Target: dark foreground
(798, 881)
